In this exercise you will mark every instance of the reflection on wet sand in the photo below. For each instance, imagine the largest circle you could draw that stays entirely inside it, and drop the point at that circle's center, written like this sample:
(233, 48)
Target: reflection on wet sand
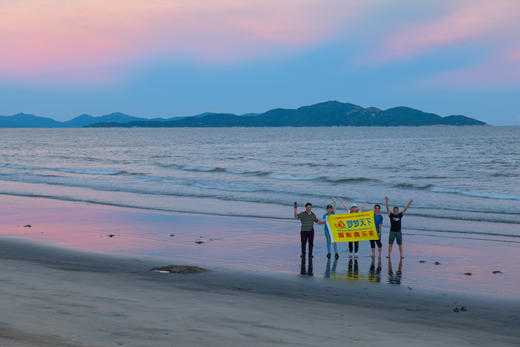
(395, 278)
(309, 270)
(374, 274)
(328, 270)
(352, 272)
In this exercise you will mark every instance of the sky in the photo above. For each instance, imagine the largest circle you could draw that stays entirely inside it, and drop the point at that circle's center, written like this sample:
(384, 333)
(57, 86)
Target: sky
(165, 58)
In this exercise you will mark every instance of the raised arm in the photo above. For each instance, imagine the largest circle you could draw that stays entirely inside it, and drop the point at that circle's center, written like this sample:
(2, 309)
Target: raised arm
(364, 205)
(406, 208)
(386, 204)
(334, 207)
(295, 211)
(343, 202)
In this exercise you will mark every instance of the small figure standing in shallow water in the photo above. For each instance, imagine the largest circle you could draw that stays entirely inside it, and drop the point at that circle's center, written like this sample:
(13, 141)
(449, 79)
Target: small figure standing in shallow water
(353, 209)
(307, 218)
(378, 219)
(395, 227)
(330, 211)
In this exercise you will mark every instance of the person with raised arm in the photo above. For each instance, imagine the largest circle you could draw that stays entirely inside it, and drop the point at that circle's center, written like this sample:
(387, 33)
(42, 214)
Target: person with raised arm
(307, 218)
(330, 210)
(353, 209)
(378, 219)
(395, 227)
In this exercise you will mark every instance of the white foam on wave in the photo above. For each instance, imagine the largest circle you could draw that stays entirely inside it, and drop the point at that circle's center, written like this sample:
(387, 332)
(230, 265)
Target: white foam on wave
(484, 195)
(284, 177)
(234, 171)
(91, 171)
(81, 171)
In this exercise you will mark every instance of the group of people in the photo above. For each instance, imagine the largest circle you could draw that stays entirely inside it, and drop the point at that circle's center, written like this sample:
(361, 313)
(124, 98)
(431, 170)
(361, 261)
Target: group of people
(308, 218)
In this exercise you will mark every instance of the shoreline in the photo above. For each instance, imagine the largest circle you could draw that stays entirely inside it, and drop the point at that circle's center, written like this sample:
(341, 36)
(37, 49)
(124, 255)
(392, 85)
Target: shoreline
(259, 246)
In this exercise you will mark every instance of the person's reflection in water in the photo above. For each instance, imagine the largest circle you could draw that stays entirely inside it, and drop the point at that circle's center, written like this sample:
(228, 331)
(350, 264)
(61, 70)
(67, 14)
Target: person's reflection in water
(327, 269)
(309, 270)
(353, 272)
(395, 278)
(302, 266)
(374, 274)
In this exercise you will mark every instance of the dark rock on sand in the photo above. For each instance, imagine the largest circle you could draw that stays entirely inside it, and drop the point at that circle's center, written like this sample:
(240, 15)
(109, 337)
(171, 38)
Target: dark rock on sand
(199, 242)
(461, 309)
(467, 273)
(111, 235)
(180, 269)
(437, 263)
(172, 235)
(422, 261)
(497, 272)
(27, 226)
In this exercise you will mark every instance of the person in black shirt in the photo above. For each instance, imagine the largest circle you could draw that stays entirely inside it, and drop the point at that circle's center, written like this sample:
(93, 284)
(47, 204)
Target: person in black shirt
(395, 227)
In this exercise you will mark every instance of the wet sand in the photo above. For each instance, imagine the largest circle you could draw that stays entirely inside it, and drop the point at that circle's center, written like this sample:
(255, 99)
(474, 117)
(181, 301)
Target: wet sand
(56, 296)
(262, 246)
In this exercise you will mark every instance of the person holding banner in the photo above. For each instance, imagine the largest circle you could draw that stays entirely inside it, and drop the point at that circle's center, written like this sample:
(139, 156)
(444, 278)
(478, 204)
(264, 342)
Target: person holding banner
(307, 218)
(330, 210)
(378, 219)
(352, 227)
(395, 227)
(353, 209)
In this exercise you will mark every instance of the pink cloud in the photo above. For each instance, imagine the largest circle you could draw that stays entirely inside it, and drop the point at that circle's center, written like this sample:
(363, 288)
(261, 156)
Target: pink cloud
(463, 21)
(513, 55)
(502, 69)
(95, 41)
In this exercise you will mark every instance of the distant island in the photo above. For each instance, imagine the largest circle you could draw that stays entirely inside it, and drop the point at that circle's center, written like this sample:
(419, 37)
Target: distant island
(330, 113)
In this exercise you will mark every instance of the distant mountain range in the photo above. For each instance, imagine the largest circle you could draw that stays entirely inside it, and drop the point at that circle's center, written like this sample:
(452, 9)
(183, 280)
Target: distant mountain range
(22, 120)
(330, 113)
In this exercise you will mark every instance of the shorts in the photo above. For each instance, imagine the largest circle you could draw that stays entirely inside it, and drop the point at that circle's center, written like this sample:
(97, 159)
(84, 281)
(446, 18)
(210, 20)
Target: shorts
(395, 235)
(373, 243)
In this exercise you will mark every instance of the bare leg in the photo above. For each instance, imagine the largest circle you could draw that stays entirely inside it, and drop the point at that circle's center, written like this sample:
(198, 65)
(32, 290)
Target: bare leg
(401, 251)
(379, 250)
(373, 252)
(389, 250)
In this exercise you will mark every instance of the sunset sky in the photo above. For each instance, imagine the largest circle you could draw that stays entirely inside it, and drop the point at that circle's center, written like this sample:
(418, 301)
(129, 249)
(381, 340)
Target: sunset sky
(149, 58)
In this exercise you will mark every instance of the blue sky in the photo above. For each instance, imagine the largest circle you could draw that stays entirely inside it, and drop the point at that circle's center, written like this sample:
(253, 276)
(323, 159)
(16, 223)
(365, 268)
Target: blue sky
(168, 58)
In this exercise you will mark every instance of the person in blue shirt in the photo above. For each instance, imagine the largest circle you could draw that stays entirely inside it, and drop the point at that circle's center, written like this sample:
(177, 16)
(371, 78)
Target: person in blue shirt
(378, 219)
(330, 210)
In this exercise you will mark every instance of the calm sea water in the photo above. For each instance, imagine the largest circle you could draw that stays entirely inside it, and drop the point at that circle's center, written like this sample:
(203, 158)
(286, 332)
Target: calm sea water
(464, 180)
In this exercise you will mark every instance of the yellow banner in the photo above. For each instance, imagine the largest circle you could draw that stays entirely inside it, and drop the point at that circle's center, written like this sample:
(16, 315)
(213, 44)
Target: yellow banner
(347, 227)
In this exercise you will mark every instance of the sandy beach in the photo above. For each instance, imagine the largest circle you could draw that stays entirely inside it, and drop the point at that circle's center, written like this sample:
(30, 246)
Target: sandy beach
(55, 296)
